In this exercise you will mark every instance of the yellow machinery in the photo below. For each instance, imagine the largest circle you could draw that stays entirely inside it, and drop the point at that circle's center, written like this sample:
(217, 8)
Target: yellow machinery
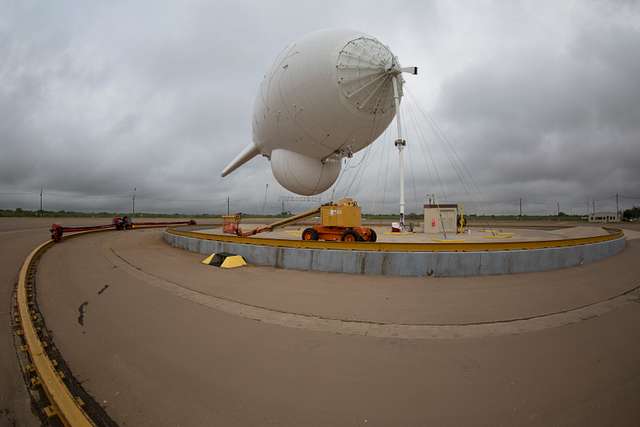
(231, 223)
(345, 213)
(462, 222)
(341, 221)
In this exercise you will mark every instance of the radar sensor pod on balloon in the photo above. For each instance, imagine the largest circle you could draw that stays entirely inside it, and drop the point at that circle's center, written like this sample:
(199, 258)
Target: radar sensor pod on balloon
(327, 96)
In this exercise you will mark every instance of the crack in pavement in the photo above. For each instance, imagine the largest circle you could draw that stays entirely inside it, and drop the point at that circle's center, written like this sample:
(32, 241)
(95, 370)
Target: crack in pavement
(82, 309)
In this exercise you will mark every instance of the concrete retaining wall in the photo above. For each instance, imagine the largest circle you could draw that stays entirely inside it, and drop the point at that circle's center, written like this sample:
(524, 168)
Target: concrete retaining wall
(438, 264)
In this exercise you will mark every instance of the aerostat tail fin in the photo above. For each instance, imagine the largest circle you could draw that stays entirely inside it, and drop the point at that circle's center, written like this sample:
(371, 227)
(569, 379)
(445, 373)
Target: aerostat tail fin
(249, 152)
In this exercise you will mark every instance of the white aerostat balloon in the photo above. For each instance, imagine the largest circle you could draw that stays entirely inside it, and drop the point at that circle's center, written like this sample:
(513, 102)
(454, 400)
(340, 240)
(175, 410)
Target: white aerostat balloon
(327, 96)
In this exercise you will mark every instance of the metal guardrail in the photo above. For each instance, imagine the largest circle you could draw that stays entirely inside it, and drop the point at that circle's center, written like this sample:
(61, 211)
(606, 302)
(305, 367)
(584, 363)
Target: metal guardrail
(614, 234)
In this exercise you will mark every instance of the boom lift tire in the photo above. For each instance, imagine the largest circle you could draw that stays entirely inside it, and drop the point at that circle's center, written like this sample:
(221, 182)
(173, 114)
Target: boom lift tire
(310, 234)
(351, 236)
(373, 236)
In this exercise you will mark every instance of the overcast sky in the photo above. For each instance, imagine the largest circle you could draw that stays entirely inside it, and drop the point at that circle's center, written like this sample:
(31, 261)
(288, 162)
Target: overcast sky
(535, 100)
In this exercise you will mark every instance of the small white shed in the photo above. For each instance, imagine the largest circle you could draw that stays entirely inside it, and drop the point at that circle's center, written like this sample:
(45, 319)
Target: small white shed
(440, 217)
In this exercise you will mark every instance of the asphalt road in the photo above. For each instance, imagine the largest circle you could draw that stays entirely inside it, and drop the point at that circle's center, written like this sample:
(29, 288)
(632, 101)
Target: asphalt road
(142, 325)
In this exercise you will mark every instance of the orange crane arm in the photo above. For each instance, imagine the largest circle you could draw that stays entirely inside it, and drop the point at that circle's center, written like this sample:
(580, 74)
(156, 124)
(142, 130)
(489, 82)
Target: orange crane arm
(282, 222)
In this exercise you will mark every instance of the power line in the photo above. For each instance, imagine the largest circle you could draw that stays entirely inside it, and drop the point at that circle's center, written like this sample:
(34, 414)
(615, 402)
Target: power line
(422, 140)
(438, 131)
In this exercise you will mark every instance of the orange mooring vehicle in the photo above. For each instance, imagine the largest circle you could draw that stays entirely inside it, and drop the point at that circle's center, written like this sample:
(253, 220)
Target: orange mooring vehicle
(341, 221)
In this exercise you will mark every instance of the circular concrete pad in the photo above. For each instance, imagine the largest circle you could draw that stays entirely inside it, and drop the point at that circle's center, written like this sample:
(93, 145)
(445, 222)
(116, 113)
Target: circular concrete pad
(155, 354)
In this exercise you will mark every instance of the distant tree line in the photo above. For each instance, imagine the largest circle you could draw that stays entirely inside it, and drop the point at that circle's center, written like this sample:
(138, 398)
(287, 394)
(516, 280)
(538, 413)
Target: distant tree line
(631, 214)
(63, 213)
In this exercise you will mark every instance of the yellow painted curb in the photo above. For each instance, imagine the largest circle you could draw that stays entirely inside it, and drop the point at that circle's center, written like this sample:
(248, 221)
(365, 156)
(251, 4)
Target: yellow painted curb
(63, 403)
(499, 236)
(402, 247)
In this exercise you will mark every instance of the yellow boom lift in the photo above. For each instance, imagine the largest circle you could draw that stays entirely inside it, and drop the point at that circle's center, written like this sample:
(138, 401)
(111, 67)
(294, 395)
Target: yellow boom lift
(340, 221)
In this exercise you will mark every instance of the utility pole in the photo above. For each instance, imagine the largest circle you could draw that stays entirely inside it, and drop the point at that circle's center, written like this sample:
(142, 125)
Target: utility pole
(593, 203)
(133, 203)
(264, 202)
(520, 206)
(558, 205)
(228, 206)
(41, 188)
(282, 207)
(617, 205)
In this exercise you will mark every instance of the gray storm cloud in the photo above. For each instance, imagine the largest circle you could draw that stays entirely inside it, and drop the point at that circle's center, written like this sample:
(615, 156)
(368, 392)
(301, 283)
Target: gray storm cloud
(538, 100)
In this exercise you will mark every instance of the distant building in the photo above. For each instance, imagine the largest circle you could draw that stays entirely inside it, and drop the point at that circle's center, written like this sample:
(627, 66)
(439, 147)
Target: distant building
(604, 217)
